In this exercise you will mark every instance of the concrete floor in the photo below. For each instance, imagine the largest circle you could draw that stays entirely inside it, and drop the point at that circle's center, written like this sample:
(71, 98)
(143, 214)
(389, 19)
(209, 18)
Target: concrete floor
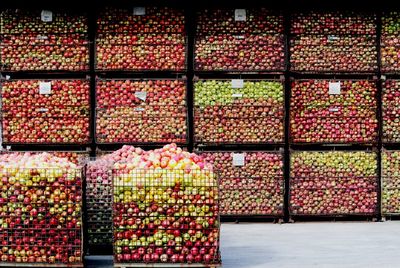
(303, 245)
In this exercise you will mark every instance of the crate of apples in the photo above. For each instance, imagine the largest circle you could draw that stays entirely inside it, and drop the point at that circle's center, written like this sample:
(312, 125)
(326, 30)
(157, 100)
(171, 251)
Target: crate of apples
(251, 113)
(333, 183)
(31, 44)
(226, 42)
(252, 187)
(165, 208)
(333, 42)
(390, 183)
(141, 111)
(51, 111)
(324, 111)
(390, 111)
(145, 39)
(390, 42)
(35, 228)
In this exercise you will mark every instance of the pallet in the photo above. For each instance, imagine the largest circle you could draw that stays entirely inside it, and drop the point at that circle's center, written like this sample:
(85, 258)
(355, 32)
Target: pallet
(41, 265)
(391, 217)
(165, 265)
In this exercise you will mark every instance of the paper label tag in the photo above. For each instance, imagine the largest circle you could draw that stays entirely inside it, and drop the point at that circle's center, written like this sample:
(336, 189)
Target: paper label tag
(41, 37)
(44, 88)
(239, 36)
(43, 110)
(237, 83)
(237, 95)
(8, 77)
(333, 38)
(238, 159)
(240, 14)
(141, 95)
(139, 11)
(333, 109)
(139, 109)
(46, 15)
(334, 88)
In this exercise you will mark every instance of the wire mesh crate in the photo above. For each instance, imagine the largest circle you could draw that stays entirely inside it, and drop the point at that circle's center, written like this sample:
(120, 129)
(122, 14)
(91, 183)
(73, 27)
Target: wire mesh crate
(224, 114)
(41, 216)
(153, 40)
(319, 114)
(59, 115)
(390, 111)
(30, 44)
(333, 183)
(165, 216)
(390, 62)
(254, 188)
(390, 183)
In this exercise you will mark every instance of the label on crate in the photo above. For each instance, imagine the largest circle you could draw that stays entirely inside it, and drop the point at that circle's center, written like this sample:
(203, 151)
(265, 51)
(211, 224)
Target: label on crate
(334, 88)
(141, 95)
(139, 109)
(237, 95)
(46, 15)
(8, 77)
(43, 110)
(240, 14)
(237, 83)
(139, 11)
(41, 37)
(238, 159)
(334, 109)
(332, 38)
(239, 36)
(44, 88)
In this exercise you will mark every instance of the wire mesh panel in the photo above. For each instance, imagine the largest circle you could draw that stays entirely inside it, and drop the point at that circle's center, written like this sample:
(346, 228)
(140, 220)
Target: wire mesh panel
(40, 216)
(252, 187)
(249, 113)
(141, 111)
(390, 203)
(145, 39)
(239, 40)
(32, 43)
(55, 111)
(333, 183)
(165, 216)
(337, 111)
(333, 42)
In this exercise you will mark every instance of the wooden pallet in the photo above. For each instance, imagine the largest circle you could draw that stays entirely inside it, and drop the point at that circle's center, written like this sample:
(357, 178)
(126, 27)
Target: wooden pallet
(165, 265)
(42, 265)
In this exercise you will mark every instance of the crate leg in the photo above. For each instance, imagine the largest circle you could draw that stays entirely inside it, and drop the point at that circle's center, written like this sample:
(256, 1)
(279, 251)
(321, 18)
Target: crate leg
(374, 219)
(383, 219)
(291, 220)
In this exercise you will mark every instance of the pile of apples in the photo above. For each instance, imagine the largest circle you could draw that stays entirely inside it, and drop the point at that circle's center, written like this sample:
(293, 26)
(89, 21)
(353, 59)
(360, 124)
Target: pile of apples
(40, 209)
(333, 183)
(165, 208)
(141, 111)
(251, 114)
(255, 44)
(320, 117)
(256, 188)
(153, 40)
(333, 42)
(390, 111)
(390, 42)
(59, 117)
(390, 182)
(30, 44)
(75, 157)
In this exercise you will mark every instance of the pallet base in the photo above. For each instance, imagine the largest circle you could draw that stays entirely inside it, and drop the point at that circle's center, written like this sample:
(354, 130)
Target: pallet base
(160, 265)
(42, 265)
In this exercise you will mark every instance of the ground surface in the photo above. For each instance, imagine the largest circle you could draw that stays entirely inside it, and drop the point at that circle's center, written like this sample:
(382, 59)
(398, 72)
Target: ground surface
(303, 245)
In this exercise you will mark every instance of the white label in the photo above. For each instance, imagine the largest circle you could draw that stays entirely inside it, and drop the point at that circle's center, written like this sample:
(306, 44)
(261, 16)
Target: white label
(141, 95)
(46, 15)
(43, 110)
(239, 36)
(8, 148)
(334, 88)
(41, 37)
(333, 38)
(8, 77)
(237, 95)
(238, 160)
(44, 88)
(237, 83)
(240, 14)
(333, 109)
(139, 109)
(139, 11)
